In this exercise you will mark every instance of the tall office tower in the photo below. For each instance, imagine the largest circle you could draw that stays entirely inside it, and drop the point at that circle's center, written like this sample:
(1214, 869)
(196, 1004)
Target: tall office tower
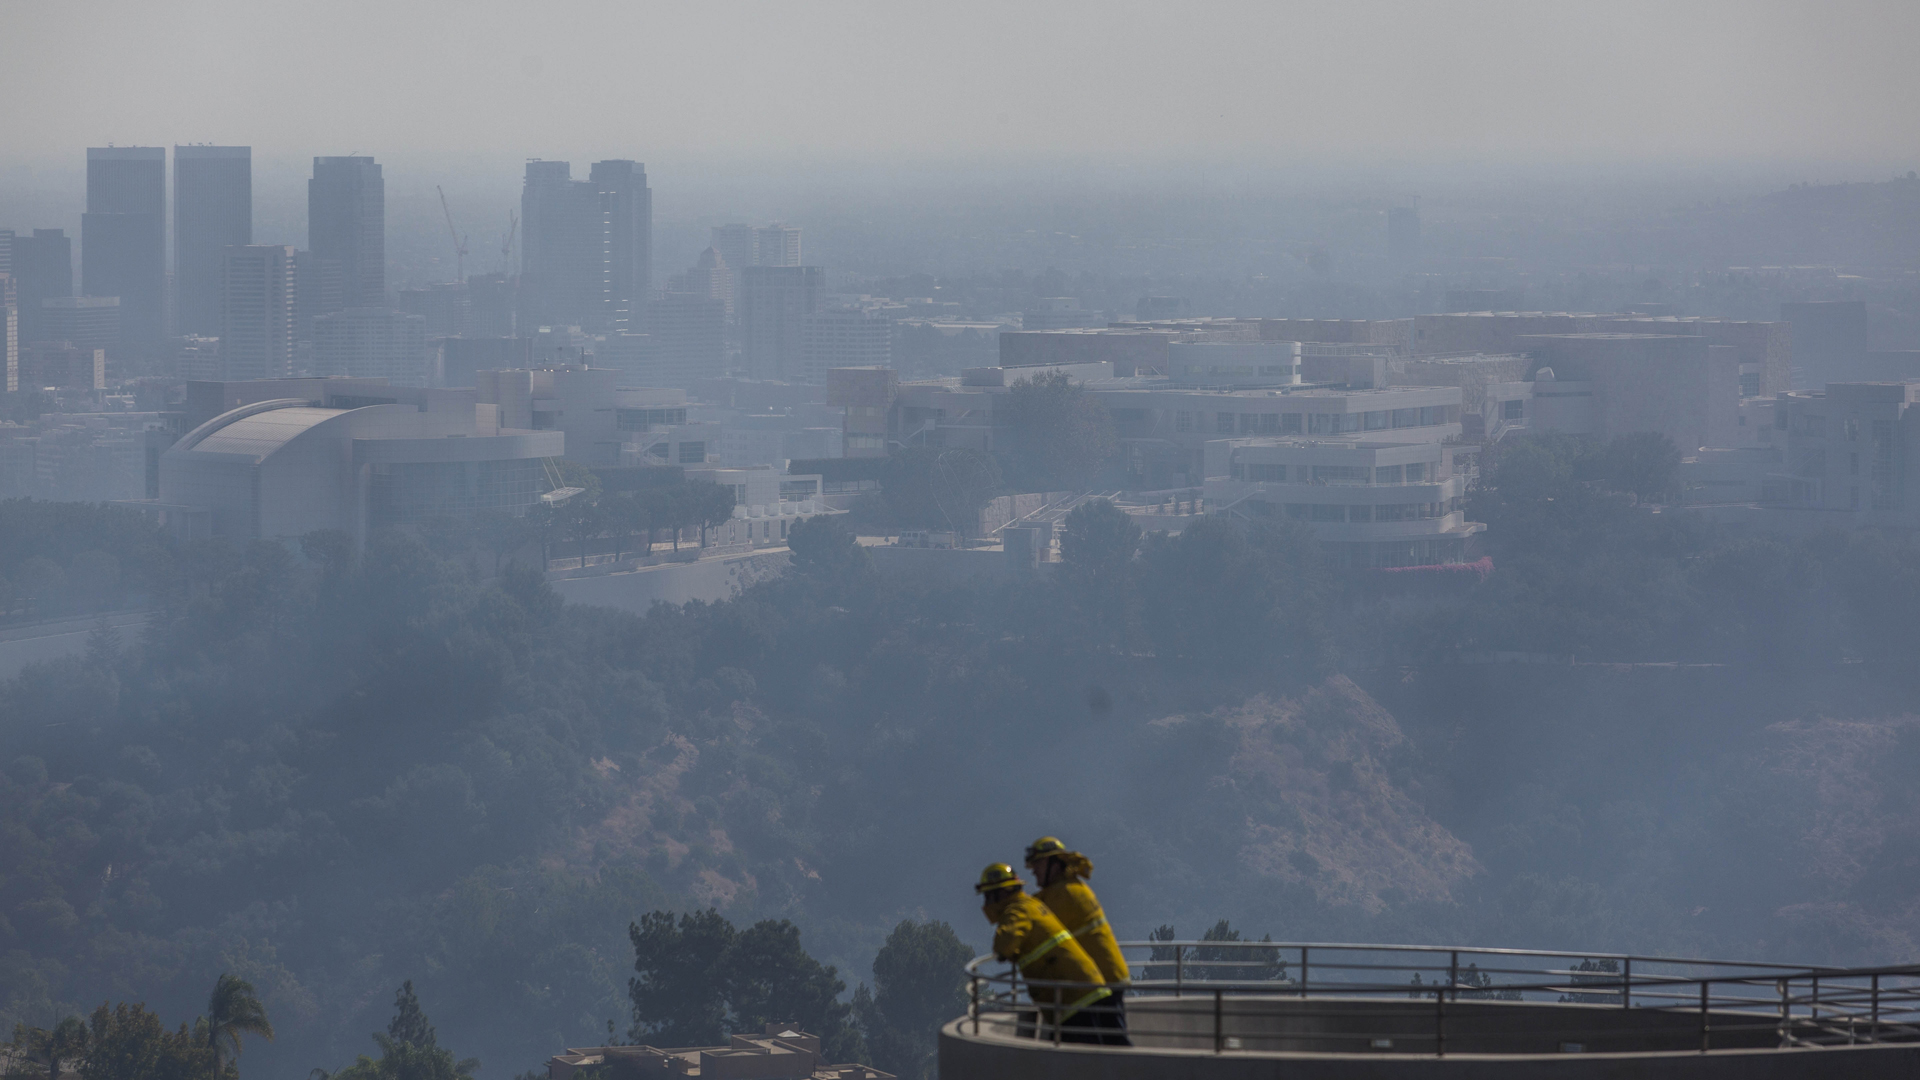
(734, 243)
(256, 312)
(712, 277)
(123, 238)
(490, 300)
(845, 338)
(445, 305)
(319, 289)
(9, 335)
(586, 248)
(347, 224)
(776, 245)
(212, 209)
(687, 335)
(773, 302)
(372, 343)
(626, 231)
(90, 322)
(746, 245)
(42, 269)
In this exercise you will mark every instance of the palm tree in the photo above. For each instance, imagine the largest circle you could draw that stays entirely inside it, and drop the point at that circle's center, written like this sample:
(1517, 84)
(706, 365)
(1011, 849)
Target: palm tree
(233, 1009)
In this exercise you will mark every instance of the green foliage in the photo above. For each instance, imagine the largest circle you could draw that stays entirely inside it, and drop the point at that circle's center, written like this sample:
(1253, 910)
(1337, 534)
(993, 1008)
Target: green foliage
(129, 1043)
(1060, 436)
(1230, 595)
(408, 1050)
(917, 988)
(234, 1011)
(929, 488)
(823, 548)
(698, 979)
(1098, 542)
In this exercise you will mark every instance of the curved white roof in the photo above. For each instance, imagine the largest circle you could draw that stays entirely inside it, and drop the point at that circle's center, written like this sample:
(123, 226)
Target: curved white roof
(262, 433)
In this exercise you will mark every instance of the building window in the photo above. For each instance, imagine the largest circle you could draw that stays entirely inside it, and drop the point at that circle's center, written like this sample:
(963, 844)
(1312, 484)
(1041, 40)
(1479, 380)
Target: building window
(1297, 511)
(1266, 473)
(1223, 423)
(1290, 423)
(1406, 418)
(1417, 473)
(739, 495)
(644, 419)
(796, 490)
(1510, 410)
(1328, 512)
(1852, 428)
(1750, 384)
(1387, 474)
(1359, 513)
(693, 453)
(1270, 423)
(1183, 421)
(1248, 423)
(1341, 474)
(1378, 420)
(545, 421)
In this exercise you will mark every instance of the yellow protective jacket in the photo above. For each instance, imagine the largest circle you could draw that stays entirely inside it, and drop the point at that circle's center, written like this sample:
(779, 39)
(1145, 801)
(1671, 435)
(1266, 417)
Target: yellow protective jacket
(1079, 911)
(1031, 937)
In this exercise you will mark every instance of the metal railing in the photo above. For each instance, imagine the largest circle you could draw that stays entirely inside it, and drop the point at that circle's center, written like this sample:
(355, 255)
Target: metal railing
(1214, 994)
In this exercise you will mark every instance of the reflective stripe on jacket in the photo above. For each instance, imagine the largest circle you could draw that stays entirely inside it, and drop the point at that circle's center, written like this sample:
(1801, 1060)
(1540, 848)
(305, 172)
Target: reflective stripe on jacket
(1028, 934)
(1079, 911)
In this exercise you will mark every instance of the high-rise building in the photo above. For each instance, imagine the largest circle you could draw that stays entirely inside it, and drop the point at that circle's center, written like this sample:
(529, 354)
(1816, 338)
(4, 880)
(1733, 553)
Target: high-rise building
(445, 305)
(711, 277)
(42, 269)
(9, 335)
(748, 245)
(490, 300)
(90, 322)
(586, 249)
(212, 210)
(319, 288)
(257, 307)
(844, 338)
(367, 342)
(688, 340)
(773, 302)
(123, 238)
(347, 224)
(59, 365)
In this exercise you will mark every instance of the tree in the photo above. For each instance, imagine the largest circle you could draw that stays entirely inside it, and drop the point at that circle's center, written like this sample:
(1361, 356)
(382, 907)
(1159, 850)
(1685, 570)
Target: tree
(1060, 436)
(1098, 542)
(52, 1048)
(1646, 463)
(501, 533)
(1237, 596)
(624, 515)
(129, 1043)
(821, 547)
(771, 979)
(581, 521)
(679, 991)
(709, 504)
(233, 1010)
(928, 488)
(408, 1049)
(917, 987)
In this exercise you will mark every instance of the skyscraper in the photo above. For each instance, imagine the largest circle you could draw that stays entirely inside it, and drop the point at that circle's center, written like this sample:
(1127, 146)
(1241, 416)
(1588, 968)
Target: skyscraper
(586, 250)
(766, 245)
(9, 336)
(347, 224)
(372, 343)
(212, 209)
(123, 237)
(42, 269)
(773, 302)
(256, 312)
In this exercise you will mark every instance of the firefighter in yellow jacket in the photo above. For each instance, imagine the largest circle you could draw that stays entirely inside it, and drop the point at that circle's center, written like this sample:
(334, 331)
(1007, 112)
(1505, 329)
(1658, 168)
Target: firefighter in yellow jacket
(1062, 878)
(1029, 936)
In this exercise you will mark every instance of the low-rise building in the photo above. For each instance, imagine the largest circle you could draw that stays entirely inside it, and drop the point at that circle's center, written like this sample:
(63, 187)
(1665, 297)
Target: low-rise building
(767, 502)
(283, 467)
(1371, 503)
(779, 1052)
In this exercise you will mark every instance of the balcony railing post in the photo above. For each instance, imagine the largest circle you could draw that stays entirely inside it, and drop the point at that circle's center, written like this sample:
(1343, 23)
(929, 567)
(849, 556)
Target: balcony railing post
(1303, 971)
(1219, 1034)
(1876, 1008)
(1813, 1002)
(1439, 1023)
(1706, 1024)
(1178, 978)
(1626, 983)
(973, 986)
(1453, 975)
(1785, 1009)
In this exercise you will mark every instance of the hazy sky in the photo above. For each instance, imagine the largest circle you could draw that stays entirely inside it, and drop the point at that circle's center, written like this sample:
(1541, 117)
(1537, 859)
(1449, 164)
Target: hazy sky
(1248, 82)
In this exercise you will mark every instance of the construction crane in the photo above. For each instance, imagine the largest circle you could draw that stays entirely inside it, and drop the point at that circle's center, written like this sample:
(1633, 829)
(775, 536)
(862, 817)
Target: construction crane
(506, 244)
(459, 242)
